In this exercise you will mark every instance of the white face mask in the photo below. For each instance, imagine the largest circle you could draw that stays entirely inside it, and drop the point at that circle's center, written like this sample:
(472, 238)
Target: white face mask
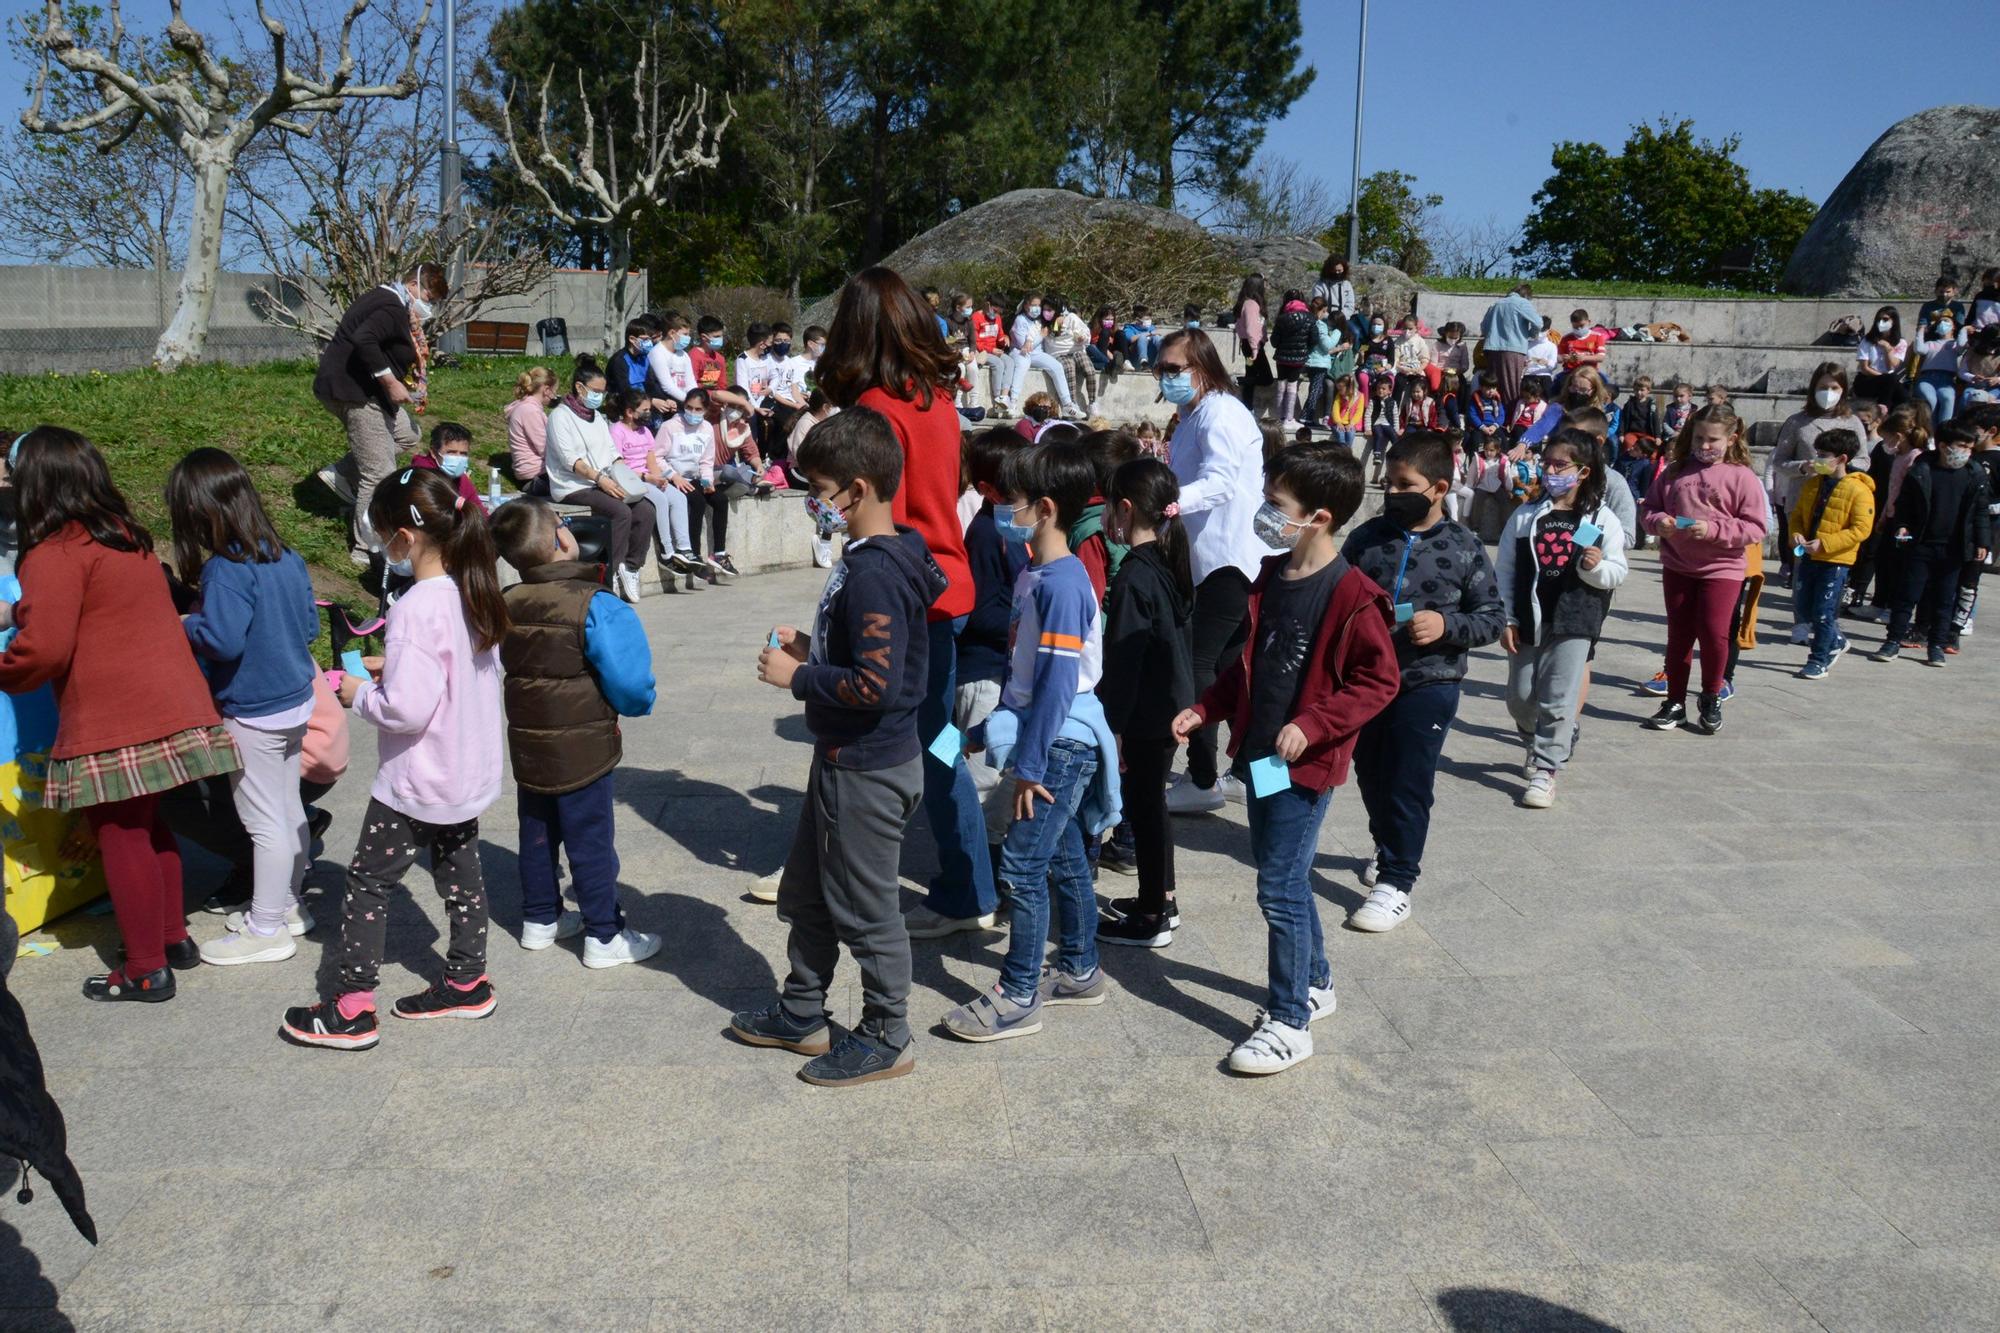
(1826, 398)
(1882, 326)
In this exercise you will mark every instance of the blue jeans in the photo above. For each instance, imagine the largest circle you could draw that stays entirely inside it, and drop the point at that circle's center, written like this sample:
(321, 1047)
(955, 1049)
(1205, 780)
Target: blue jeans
(1939, 390)
(964, 883)
(1141, 350)
(1816, 589)
(1099, 362)
(1284, 835)
(1050, 846)
(581, 822)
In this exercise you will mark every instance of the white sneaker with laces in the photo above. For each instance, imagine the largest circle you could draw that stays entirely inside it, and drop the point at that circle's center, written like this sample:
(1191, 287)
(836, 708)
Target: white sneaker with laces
(535, 935)
(823, 552)
(627, 946)
(1541, 792)
(1320, 1003)
(1232, 788)
(628, 584)
(1386, 909)
(298, 921)
(1184, 798)
(247, 947)
(765, 888)
(1272, 1048)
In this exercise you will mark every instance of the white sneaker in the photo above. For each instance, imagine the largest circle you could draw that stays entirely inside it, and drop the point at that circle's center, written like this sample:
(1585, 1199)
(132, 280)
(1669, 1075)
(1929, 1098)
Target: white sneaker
(1802, 633)
(1232, 788)
(1386, 909)
(535, 935)
(627, 946)
(1272, 1048)
(823, 552)
(246, 947)
(628, 584)
(1528, 765)
(1369, 871)
(343, 489)
(1541, 792)
(924, 924)
(297, 920)
(1184, 798)
(765, 888)
(1319, 1003)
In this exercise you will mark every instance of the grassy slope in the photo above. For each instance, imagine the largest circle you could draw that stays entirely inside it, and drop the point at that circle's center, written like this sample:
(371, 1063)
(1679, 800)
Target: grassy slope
(266, 416)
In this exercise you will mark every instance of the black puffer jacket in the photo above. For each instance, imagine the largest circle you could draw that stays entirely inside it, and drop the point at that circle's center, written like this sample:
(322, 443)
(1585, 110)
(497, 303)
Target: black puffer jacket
(31, 1125)
(1292, 336)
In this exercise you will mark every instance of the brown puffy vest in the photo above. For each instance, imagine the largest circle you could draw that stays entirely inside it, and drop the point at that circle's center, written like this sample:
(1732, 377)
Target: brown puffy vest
(561, 731)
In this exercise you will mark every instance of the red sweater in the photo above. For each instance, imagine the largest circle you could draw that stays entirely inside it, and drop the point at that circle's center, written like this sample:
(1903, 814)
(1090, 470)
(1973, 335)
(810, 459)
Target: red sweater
(100, 624)
(928, 498)
(1349, 676)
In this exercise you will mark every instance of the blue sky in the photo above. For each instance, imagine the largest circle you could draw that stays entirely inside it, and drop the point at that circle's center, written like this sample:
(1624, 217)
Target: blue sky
(1469, 96)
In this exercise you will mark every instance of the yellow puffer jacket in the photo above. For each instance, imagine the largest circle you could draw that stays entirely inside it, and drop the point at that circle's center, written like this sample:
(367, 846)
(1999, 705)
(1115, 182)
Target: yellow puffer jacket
(1849, 516)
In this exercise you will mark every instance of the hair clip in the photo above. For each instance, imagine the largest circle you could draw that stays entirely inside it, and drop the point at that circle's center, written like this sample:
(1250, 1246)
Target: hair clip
(1173, 510)
(404, 480)
(458, 503)
(415, 517)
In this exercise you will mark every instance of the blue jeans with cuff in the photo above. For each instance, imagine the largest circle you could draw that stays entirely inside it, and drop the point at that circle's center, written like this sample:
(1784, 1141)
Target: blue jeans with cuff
(1816, 589)
(1284, 837)
(1044, 848)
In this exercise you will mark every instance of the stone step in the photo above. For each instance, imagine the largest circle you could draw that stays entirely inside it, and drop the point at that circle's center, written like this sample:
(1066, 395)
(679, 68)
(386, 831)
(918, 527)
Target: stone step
(1761, 321)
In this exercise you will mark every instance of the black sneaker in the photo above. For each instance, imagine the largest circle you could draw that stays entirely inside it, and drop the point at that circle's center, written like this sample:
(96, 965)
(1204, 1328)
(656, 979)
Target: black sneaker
(321, 1025)
(859, 1058)
(1137, 930)
(444, 1000)
(1888, 652)
(182, 956)
(1935, 658)
(1120, 908)
(729, 566)
(152, 988)
(1115, 859)
(773, 1026)
(1710, 719)
(318, 821)
(681, 562)
(1669, 717)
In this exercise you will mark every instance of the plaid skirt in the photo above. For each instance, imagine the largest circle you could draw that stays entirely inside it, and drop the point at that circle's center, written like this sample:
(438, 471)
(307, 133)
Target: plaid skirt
(140, 770)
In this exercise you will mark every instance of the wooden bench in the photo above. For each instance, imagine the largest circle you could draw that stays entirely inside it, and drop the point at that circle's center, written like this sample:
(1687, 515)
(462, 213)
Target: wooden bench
(490, 335)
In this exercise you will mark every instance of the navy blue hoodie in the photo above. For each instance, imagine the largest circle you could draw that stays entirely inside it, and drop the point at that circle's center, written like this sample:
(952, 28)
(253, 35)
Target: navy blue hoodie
(869, 663)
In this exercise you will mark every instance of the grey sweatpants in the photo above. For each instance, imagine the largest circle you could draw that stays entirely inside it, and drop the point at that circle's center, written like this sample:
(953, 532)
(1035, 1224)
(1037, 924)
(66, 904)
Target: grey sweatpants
(840, 886)
(1542, 685)
(266, 789)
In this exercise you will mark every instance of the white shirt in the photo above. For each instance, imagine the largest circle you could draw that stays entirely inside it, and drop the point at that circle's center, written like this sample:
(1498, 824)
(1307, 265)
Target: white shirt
(755, 374)
(1874, 357)
(573, 440)
(674, 370)
(1218, 458)
(788, 378)
(1543, 357)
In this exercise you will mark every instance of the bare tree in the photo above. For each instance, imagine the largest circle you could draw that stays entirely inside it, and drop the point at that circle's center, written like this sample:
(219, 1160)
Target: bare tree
(665, 145)
(1471, 249)
(202, 106)
(1278, 197)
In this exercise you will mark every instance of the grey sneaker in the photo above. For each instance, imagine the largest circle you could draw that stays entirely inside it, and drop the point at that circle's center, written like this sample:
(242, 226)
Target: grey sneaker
(858, 1058)
(775, 1026)
(994, 1017)
(1059, 987)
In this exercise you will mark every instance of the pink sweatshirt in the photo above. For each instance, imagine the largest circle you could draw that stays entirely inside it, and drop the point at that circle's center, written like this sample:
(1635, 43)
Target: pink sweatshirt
(438, 709)
(635, 446)
(1728, 496)
(527, 437)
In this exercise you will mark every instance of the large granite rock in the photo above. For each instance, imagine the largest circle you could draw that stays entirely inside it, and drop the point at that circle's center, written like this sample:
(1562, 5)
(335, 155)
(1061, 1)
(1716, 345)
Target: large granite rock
(1293, 261)
(1923, 200)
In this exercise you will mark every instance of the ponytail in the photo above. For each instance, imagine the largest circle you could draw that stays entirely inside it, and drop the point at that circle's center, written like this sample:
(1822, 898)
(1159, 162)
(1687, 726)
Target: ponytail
(428, 500)
(1149, 486)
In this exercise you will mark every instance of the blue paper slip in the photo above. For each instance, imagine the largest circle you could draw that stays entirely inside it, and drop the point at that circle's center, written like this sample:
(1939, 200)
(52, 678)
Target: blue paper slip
(1587, 534)
(1683, 522)
(351, 663)
(950, 743)
(774, 640)
(1404, 610)
(1269, 776)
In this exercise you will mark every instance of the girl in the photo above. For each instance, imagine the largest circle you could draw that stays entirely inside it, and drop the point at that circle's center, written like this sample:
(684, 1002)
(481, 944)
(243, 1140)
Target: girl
(1675, 419)
(584, 468)
(1489, 468)
(1878, 360)
(528, 428)
(1937, 374)
(1348, 408)
(1326, 338)
(1150, 443)
(1529, 413)
(1250, 309)
(1904, 437)
(1705, 507)
(436, 700)
(1458, 500)
(1556, 579)
(135, 719)
(253, 633)
(1420, 412)
(1454, 371)
(1026, 352)
(1148, 679)
(1103, 349)
(1385, 421)
(1414, 362)
(1487, 419)
(683, 457)
(450, 452)
(1378, 358)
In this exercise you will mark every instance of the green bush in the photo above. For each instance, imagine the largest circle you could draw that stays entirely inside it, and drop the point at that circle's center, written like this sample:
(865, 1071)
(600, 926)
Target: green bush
(737, 307)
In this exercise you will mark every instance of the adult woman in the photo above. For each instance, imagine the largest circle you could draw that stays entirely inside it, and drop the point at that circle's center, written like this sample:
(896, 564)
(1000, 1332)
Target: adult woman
(1026, 337)
(583, 467)
(1878, 361)
(528, 428)
(1792, 455)
(1218, 458)
(1338, 293)
(1249, 322)
(1937, 351)
(881, 354)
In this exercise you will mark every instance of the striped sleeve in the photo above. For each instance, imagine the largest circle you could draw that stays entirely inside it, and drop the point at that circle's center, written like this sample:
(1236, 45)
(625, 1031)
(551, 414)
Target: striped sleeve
(1065, 611)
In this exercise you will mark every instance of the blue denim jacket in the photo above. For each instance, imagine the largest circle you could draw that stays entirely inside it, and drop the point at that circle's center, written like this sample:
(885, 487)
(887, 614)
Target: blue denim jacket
(1102, 805)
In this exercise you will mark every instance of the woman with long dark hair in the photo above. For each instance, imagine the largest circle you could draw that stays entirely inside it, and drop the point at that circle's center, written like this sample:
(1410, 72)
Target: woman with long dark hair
(1218, 458)
(1828, 406)
(1249, 315)
(1880, 360)
(883, 351)
(134, 716)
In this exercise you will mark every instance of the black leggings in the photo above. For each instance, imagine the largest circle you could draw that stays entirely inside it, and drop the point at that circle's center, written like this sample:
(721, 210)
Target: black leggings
(1147, 763)
(1221, 622)
(716, 505)
(632, 525)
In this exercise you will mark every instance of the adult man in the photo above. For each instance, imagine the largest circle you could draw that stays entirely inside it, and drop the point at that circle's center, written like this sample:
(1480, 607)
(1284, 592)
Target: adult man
(360, 381)
(1511, 326)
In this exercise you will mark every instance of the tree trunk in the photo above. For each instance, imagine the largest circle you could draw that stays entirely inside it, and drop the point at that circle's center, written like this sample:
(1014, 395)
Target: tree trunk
(616, 264)
(878, 181)
(1166, 193)
(182, 341)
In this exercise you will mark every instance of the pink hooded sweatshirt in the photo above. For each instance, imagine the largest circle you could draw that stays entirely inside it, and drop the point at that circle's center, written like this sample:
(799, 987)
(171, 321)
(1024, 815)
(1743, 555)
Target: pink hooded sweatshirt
(1728, 497)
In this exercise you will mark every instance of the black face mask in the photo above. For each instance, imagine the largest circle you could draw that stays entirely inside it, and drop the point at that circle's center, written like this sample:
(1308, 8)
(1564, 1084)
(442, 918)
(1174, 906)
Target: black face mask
(1406, 509)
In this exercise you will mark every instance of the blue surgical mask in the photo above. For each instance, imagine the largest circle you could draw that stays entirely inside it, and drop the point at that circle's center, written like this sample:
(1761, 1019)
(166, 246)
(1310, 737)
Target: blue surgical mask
(715, 344)
(692, 420)
(646, 345)
(683, 342)
(1009, 530)
(1146, 324)
(1034, 312)
(593, 398)
(454, 465)
(1194, 323)
(403, 568)
(1177, 389)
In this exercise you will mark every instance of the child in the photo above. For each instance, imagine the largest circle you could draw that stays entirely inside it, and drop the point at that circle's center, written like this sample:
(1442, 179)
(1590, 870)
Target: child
(1385, 421)
(1675, 419)
(861, 674)
(135, 717)
(1420, 412)
(1486, 420)
(1148, 680)
(1348, 407)
(1983, 419)
(450, 452)
(670, 367)
(576, 660)
(1638, 424)
(1531, 406)
(1140, 341)
(1583, 345)
(1378, 358)
(1458, 500)
(1325, 341)
(436, 701)
(1150, 443)
(1454, 373)
(1491, 473)
(1556, 591)
(681, 472)
(1718, 396)
(710, 365)
(1543, 357)
(1705, 507)
(1834, 514)
(1445, 604)
(253, 632)
(996, 567)
(1317, 664)
(1050, 737)
(1292, 342)
(1941, 522)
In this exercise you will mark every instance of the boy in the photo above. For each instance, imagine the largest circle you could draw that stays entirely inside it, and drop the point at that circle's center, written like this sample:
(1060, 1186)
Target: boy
(626, 369)
(1445, 604)
(788, 380)
(1050, 737)
(1140, 343)
(861, 675)
(1946, 300)
(711, 367)
(755, 370)
(671, 368)
(576, 661)
(1983, 419)
(996, 568)
(1941, 521)
(1833, 515)
(1583, 345)
(1318, 664)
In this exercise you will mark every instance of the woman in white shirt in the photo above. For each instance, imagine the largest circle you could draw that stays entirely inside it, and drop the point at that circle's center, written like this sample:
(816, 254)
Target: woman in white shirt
(584, 468)
(1218, 458)
(1878, 361)
(1027, 351)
